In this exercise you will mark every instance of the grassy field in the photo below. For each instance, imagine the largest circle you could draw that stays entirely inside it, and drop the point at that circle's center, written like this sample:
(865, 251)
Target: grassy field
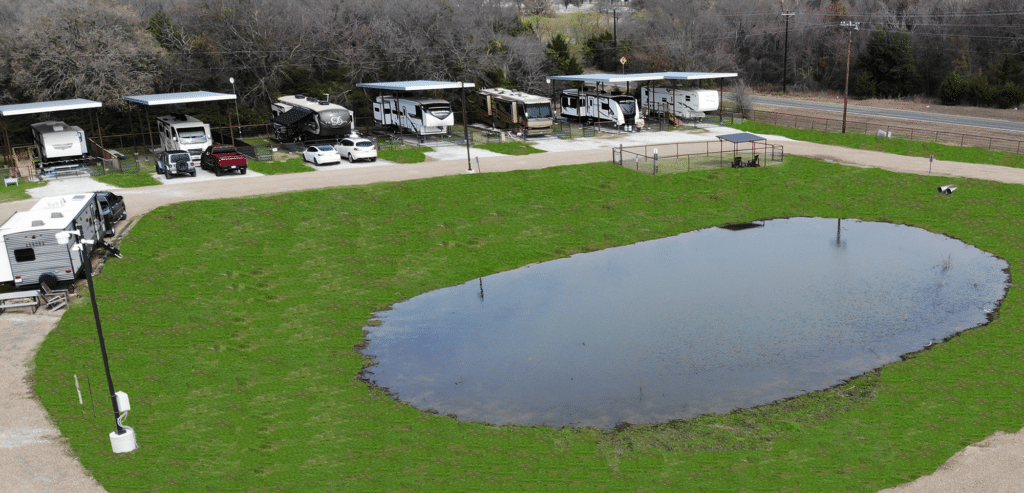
(405, 155)
(293, 165)
(13, 193)
(143, 178)
(233, 325)
(895, 146)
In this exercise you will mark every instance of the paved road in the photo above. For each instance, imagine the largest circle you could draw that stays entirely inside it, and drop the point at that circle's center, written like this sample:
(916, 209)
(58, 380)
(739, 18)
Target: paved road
(919, 116)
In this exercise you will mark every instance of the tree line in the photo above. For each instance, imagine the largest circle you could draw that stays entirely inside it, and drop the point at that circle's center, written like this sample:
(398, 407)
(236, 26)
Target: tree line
(960, 51)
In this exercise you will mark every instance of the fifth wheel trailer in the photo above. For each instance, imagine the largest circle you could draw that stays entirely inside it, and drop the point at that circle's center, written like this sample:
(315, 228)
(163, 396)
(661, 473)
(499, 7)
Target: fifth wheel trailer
(687, 104)
(594, 106)
(60, 144)
(31, 253)
(419, 116)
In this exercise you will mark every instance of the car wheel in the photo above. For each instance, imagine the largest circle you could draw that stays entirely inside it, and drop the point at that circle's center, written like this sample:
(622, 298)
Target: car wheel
(220, 172)
(350, 158)
(373, 160)
(192, 173)
(244, 170)
(316, 162)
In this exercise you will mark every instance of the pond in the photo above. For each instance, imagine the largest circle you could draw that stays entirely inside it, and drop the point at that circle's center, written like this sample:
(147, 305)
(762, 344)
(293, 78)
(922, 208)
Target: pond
(703, 322)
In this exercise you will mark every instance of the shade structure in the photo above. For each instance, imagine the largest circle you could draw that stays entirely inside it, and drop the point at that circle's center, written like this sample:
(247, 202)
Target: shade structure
(415, 85)
(48, 106)
(179, 98)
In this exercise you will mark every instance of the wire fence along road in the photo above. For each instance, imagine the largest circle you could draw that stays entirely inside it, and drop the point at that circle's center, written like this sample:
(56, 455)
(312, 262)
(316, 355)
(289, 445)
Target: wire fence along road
(963, 121)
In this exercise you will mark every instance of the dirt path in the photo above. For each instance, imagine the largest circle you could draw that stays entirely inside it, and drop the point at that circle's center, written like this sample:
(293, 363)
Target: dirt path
(33, 456)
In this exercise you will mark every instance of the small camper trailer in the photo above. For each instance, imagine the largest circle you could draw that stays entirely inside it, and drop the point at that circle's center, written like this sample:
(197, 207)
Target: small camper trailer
(180, 132)
(60, 144)
(31, 253)
(514, 110)
(688, 104)
(594, 106)
(419, 116)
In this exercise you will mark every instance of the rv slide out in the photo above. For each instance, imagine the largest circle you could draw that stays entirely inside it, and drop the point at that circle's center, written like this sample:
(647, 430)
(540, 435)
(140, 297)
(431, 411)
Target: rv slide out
(688, 104)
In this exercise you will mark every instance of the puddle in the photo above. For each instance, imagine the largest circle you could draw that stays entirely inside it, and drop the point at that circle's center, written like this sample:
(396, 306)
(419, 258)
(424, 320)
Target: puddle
(703, 322)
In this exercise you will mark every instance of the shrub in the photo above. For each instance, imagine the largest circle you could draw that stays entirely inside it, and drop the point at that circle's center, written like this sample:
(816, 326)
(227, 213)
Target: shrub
(864, 87)
(951, 92)
(1009, 95)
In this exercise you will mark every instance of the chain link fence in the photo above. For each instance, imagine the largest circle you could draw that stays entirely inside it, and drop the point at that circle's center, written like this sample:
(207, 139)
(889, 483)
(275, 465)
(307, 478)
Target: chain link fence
(688, 156)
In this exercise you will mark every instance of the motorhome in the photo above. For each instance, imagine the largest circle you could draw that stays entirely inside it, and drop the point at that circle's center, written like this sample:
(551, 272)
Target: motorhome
(31, 253)
(179, 132)
(518, 111)
(595, 106)
(688, 104)
(58, 143)
(301, 117)
(419, 116)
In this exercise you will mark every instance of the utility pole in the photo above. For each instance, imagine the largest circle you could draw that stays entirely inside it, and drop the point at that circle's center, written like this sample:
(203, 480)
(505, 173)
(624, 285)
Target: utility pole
(615, 28)
(851, 27)
(785, 52)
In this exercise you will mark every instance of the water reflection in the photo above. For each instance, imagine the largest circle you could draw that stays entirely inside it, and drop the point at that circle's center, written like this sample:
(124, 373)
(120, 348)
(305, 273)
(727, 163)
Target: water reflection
(703, 322)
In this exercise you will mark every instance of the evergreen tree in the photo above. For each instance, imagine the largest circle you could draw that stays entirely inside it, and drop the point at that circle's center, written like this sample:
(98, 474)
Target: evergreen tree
(561, 56)
(890, 62)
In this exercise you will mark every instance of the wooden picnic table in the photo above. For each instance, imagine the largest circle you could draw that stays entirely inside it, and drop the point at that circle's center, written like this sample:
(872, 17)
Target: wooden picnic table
(14, 299)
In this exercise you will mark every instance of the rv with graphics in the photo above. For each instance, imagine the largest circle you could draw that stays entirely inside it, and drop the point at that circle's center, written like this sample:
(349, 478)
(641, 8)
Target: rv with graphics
(58, 143)
(180, 132)
(31, 253)
(301, 117)
(594, 106)
(419, 116)
(687, 104)
(514, 110)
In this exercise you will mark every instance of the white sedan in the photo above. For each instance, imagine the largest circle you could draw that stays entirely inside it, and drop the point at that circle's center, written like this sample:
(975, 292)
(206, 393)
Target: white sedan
(357, 148)
(321, 154)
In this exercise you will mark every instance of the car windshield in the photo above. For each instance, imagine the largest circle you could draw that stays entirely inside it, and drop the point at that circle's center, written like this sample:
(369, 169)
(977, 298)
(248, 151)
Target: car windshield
(325, 148)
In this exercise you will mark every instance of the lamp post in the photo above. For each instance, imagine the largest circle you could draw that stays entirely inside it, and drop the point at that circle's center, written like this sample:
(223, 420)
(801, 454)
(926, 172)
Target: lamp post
(237, 118)
(851, 27)
(785, 52)
(122, 439)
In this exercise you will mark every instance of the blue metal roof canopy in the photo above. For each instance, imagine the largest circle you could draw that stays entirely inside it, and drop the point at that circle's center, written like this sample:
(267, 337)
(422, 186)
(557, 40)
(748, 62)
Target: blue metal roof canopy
(179, 98)
(429, 85)
(42, 107)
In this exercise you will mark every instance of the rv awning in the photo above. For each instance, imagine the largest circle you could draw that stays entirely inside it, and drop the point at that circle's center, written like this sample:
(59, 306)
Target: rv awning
(415, 85)
(179, 98)
(609, 78)
(48, 106)
(741, 138)
(292, 116)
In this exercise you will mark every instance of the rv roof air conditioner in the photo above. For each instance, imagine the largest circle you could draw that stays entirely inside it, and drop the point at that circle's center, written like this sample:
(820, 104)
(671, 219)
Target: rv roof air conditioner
(37, 222)
(324, 102)
(58, 128)
(56, 215)
(300, 96)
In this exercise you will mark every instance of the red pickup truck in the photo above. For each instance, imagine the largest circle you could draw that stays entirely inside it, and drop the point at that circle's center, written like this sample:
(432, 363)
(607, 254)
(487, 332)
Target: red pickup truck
(223, 158)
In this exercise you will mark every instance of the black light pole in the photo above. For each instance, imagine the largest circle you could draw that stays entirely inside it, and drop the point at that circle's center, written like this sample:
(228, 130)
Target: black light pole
(785, 52)
(851, 27)
(465, 128)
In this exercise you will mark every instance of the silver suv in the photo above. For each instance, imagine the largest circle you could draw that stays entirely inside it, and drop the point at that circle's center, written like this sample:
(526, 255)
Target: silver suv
(169, 163)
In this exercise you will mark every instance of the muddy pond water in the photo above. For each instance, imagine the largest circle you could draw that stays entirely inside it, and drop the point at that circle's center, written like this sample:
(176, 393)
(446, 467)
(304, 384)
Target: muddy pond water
(703, 322)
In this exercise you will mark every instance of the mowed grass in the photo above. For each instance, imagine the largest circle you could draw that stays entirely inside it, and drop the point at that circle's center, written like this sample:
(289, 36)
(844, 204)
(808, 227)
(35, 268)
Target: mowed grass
(293, 165)
(142, 178)
(12, 193)
(405, 155)
(514, 148)
(902, 147)
(233, 325)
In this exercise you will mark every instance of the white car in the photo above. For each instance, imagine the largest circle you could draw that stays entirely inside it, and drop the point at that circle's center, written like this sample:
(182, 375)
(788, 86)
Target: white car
(357, 148)
(321, 154)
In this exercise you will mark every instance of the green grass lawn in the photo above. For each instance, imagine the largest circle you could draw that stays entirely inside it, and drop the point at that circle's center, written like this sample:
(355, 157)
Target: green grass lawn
(405, 155)
(293, 165)
(915, 148)
(513, 148)
(143, 178)
(233, 325)
(13, 193)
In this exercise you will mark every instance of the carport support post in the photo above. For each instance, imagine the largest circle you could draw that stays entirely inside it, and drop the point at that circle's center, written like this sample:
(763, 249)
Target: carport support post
(465, 128)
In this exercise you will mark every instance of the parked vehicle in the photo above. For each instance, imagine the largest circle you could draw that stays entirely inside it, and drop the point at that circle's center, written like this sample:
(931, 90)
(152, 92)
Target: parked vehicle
(31, 253)
(300, 117)
(684, 103)
(418, 116)
(180, 132)
(170, 163)
(222, 158)
(321, 154)
(514, 110)
(355, 147)
(59, 144)
(594, 106)
(113, 209)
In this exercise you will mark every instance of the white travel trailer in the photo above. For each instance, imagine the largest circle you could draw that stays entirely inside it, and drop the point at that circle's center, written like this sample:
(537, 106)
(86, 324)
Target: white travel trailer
(687, 104)
(419, 116)
(300, 117)
(506, 108)
(60, 144)
(594, 106)
(31, 252)
(180, 132)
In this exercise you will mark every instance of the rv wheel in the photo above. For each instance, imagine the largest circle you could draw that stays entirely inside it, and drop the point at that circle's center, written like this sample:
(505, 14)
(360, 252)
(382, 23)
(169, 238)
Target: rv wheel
(49, 280)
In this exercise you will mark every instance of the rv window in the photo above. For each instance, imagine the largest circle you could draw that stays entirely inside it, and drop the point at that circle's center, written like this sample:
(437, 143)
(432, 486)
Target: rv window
(24, 255)
(687, 98)
(604, 104)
